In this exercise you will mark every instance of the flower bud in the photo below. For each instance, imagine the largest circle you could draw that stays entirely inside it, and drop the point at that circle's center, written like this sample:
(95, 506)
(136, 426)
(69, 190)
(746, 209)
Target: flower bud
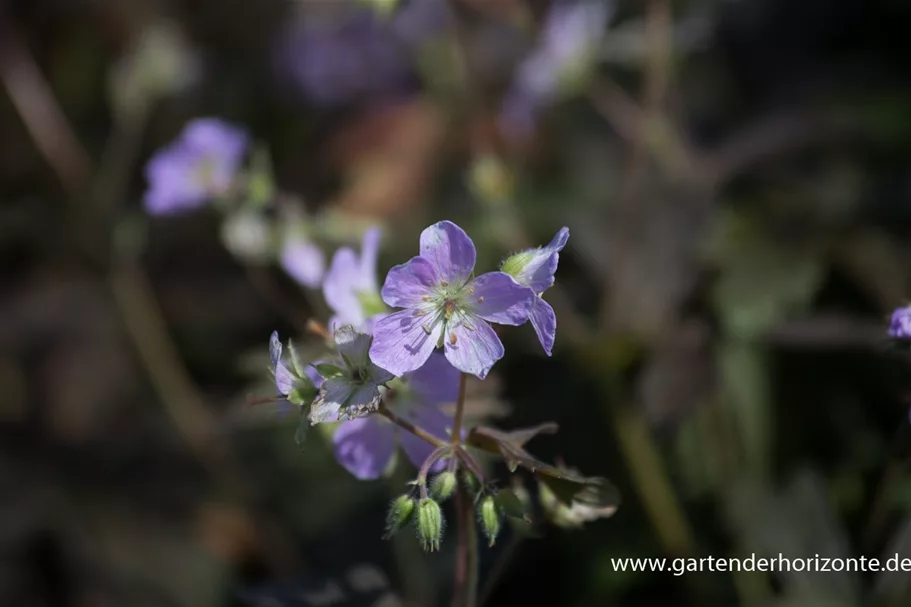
(443, 485)
(489, 514)
(399, 514)
(430, 524)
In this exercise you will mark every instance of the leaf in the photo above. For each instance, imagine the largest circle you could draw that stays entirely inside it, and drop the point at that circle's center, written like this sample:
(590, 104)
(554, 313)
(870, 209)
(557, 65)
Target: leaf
(509, 445)
(511, 505)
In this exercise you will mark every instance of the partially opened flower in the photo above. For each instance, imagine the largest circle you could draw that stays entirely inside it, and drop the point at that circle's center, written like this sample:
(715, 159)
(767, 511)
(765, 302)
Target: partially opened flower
(302, 259)
(445, 307)
(900, 325)
(350, 286)
(295, 384)
(535, 268)
(200, 164)
(366, 446)
(351, 388)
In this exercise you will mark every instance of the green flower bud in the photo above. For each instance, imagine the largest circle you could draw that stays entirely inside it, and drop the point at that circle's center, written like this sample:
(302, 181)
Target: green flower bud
(489, 514)
(399, 514)
(430, 524)
(443, 485)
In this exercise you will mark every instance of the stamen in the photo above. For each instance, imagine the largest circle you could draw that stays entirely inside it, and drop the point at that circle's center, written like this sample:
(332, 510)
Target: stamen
(481, 299)
(444, 283)
(425, 298)
(448, 309)
(452, 339)
(471, 290)
(468, 326)
(427, 329)
(420, 313)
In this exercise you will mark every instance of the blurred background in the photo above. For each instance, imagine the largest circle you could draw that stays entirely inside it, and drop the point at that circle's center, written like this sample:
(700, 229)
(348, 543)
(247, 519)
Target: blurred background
(736, 178)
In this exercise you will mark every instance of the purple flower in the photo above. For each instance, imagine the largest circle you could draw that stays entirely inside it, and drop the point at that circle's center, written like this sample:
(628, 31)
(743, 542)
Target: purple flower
(900, 326)
(445, 307)
(535, 268)
(365, 446)
(569, 34)
(303, 260)
(350, 286)
(200, 164)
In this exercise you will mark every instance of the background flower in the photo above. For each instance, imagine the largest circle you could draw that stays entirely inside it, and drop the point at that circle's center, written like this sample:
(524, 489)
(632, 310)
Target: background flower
(350, 286)
(200, 164)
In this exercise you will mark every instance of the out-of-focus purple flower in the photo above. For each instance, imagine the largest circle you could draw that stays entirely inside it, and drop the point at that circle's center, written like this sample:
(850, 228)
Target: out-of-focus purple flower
(445, 307)
(359, 54)
(365, 446)
(535, 268)
(303, 260)
(200, 164)
(900, 325)
(568, 38)
(350, 286)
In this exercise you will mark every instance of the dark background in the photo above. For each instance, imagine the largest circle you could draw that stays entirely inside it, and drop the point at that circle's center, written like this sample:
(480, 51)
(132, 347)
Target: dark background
(736, 176)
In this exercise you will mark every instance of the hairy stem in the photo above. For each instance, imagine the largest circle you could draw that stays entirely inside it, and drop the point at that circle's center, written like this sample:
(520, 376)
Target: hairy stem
(459, 412)
(466, 567)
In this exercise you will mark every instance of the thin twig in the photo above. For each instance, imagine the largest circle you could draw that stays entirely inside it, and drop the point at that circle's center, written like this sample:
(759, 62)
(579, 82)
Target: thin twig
(466, 565)
(456, 438)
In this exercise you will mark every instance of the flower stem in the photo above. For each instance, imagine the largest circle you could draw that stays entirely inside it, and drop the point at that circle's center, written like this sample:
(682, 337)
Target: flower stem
(407, 425)
(466, 567)
(459, 412)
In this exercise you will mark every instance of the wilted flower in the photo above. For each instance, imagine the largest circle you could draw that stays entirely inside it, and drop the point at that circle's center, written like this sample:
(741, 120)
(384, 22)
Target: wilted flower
(351, 389)
(586, 507)
(200, 164)
(302, 260)
(446, 307)
(350, 285)
(535, 268)
(366, 446)
(568, 39)
(900, 325)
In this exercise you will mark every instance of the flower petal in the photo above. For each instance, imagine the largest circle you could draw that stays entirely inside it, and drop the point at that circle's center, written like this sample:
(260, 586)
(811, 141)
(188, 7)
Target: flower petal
(473, 350)
(407, 283)
(435, 383)
(370, 249)
(284, 381)
(303, 261)
(429, 418)
(353, 346)
(340, 288)
(364, 447)
(449, 249)
(544, 321)
(401, 343)
(333, 395)
(538, 273)
(499, 298)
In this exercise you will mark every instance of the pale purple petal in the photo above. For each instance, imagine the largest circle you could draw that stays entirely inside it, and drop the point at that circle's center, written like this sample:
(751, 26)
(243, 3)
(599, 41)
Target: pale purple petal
(364, 447)
(284, 381)
(544, 321)
(400, 342)
(475, 349)
(407, 283)
(435, 383)
(435, 422)
(449, 249)
(334, 393)
(303, 261)
(538, 273)
(900, 325)
(370, 249)
(340, 288)
(498, 298)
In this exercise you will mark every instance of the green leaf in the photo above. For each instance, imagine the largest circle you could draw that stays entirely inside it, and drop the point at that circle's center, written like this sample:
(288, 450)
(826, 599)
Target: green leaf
(303, 427)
